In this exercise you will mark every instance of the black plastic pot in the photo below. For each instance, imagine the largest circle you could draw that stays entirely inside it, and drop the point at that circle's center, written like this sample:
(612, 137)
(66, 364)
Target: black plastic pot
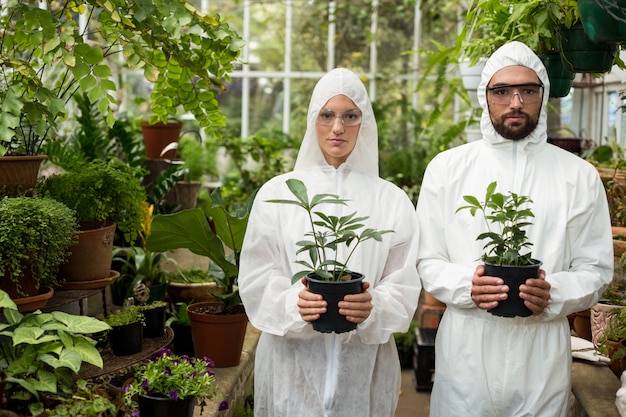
(333, 292)
(127, 339)
(155, 322)
(164, 407)
(513, 276)
(581, 54)
(183, 341)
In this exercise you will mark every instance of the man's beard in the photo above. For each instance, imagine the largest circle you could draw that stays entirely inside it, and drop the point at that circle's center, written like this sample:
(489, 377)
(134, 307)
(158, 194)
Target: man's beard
(518, 130)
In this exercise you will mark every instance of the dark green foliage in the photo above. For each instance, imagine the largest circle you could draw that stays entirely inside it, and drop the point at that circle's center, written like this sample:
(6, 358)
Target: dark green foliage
(331, 231)
(504, 246)
(99, 192)
(36, 232)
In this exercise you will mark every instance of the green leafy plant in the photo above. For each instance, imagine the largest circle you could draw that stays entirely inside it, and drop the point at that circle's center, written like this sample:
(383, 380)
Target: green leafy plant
(179, 315)
(99, 192)
(615, 332)
(174, 377)
(35, 233)
(47, 57)
(206, 231)
(85, 401)
(42, 352)
(126, 315)
(193, 275)
(330, 233)
(504, 246)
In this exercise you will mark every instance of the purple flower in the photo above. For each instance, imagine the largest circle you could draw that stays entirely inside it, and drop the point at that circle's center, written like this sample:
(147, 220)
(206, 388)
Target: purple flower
(134, 413)
(223, 405)
(173, 396)
(126, 388)
(167, 370)
(144, 384)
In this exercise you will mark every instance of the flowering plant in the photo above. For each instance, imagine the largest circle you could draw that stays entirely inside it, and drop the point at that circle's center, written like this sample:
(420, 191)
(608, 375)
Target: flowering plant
(172, 376)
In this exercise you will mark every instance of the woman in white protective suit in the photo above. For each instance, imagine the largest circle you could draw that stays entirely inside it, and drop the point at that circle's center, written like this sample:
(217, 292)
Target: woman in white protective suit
(298, 371)
(488, 365)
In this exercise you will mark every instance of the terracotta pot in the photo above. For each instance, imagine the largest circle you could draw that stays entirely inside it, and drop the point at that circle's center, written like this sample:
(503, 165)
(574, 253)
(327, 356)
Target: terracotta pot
(184, 195)
(618, 366)
(600, 314)
(217, 336)
(18, 174)
(91, 257)
(192, 292)
(34, 302)
(164, 407)
(333, 292)
(581, 324)
(429, 300)
(157, 136)
(26, 287)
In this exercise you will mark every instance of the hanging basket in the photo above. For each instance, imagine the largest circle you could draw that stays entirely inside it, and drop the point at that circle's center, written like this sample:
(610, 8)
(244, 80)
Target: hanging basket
(581, 54)
(603, 21)
(561, 78)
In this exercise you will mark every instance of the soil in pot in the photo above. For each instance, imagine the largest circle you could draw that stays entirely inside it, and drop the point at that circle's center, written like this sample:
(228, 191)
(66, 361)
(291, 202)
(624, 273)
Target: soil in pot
(333, 292)
(513, 276)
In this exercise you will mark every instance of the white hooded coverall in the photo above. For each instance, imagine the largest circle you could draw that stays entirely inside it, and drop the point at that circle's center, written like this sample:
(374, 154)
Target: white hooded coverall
(487, 365)
(298, 371)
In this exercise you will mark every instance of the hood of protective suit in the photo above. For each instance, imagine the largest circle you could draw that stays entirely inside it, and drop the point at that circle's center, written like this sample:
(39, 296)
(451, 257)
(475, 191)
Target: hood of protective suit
(364, 157)
(513, 53)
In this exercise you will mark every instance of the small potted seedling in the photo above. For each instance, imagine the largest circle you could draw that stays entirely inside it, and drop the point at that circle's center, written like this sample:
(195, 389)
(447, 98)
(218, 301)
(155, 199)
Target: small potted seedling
(326, 274)
(507, 251)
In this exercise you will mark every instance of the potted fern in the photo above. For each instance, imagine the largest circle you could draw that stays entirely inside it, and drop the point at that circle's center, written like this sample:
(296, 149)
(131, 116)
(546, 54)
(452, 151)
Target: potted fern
(507, 253)
(326, 274)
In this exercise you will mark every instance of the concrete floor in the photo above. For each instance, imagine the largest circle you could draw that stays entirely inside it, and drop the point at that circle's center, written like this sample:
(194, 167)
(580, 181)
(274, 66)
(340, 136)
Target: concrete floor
(412, 403)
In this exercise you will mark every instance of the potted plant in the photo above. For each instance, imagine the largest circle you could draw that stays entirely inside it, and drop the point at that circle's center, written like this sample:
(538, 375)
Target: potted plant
(106, 195)
(612, 341)
(180, 323)
(41, 352)
(196, 161)
(35, 234)
(207, 231)
(126, 334)
(506, 216)
(171, 385)
(154, 315)
(192, 284)
(611, 301)
(325, 273)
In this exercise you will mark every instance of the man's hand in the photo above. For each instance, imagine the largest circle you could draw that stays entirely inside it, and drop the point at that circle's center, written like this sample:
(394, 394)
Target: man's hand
(488, 291)
(536, 293)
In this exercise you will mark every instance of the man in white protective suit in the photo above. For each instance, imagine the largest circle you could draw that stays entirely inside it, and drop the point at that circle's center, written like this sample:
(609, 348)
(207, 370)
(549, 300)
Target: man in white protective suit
(487, 365)
(299, 371)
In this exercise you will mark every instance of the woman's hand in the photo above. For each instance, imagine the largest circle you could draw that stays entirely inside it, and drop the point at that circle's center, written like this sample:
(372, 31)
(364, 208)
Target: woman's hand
(310, 305)
(357, 307)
